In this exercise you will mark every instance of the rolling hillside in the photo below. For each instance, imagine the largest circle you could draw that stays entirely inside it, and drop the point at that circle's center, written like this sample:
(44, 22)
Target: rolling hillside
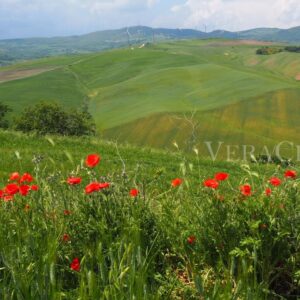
(32, 48)
(185, 91)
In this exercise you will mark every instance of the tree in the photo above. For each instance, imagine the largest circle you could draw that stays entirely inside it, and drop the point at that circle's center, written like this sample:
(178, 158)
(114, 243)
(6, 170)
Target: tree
(292, 49)
(4, 109)
(268, 50)
(52, 118)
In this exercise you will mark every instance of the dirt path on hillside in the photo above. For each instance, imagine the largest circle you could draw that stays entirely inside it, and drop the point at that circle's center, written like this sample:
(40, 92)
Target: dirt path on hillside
(18, 74)
(297, 77)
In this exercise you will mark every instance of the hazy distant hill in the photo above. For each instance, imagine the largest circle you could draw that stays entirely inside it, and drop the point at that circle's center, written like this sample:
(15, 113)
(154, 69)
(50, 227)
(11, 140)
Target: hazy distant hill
(30, 48)
(291, 35)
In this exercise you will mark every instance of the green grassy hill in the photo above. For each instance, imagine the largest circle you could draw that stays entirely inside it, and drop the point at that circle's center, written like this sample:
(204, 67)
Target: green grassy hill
(146, 95)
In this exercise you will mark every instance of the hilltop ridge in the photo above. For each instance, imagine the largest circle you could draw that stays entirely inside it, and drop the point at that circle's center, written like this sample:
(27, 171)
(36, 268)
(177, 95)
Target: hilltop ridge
(31, 48)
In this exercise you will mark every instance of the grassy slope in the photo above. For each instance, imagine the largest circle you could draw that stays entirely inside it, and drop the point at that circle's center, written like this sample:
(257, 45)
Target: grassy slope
(138, 248)
(60, 153)
(133, 92)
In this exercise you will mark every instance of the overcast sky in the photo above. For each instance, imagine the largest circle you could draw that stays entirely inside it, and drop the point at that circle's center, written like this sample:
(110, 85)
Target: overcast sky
(28, 18)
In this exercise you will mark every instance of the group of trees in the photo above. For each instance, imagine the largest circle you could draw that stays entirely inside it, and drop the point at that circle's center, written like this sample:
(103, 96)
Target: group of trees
(292, 49)
(268, 50)
(274, 50)
(4, 109)
(50, 118)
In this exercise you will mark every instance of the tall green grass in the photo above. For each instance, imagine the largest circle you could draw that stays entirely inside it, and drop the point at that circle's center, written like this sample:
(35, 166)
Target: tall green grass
(137, 247)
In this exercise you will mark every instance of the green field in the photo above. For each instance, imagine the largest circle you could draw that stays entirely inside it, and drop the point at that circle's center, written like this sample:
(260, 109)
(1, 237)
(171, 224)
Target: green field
(146, 96)
(187, 241)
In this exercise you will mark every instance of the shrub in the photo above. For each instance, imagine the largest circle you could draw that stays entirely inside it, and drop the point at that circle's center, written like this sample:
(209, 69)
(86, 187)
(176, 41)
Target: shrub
(268, 51)
(275, 50)
(265, 159)
(51, 118)
(292, 49)
(4, 109)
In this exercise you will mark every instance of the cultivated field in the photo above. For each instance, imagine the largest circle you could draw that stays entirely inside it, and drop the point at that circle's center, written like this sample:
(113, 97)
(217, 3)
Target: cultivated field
(236, 95)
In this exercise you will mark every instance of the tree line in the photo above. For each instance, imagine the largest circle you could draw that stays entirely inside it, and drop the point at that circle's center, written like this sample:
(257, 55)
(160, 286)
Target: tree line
(275, 50)
(49, 118)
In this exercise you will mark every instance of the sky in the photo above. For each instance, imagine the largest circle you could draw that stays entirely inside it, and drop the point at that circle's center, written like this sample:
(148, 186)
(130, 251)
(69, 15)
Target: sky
(44, 18)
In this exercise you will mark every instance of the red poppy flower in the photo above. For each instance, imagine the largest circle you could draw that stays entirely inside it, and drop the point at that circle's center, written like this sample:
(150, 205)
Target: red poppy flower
(221, 176)
(211, 183)
(92, 187)
(191, 239)
(74, 180)
(268, 192)
(75, 265)
(8, 198)
(34, 188)
(177, 182)
(67, 212)
(26, 178)
(104, 185)
(290, 174)
(134, 193)
(246, 190)
(92, 160)
(14, 176)
(275, 181)
(66, 237)
(24, 190)
(95, 187)
(11, 189)
(1, 194)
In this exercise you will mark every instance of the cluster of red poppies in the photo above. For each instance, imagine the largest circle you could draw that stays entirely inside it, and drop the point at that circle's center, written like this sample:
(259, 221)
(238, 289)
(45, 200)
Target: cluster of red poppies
(274, 181)
(215, 182)
(17, 185)
(91, 161)
(20, 185)
(246, 189)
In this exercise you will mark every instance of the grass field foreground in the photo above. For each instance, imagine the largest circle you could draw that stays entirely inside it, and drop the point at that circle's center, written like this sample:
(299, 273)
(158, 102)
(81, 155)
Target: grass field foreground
(124, 223)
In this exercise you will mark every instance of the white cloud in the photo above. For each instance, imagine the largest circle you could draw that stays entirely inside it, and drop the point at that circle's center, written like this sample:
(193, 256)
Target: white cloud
(238, 14)
(23, 18)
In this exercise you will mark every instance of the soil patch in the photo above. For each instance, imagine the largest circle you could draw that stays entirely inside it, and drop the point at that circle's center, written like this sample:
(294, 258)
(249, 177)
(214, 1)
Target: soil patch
(18, 74)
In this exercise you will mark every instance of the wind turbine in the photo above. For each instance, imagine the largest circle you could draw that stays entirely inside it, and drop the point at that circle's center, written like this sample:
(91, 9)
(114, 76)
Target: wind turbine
(128, 36)
(140, 31)
(153, 36)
